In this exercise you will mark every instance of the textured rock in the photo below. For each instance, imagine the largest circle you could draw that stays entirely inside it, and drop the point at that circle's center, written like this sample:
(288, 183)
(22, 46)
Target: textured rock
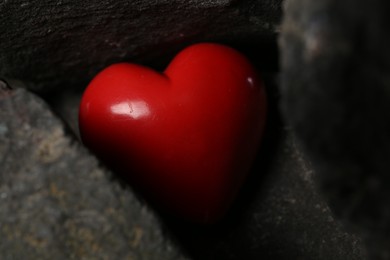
(57, 202)
(335, 88)
(57, 45)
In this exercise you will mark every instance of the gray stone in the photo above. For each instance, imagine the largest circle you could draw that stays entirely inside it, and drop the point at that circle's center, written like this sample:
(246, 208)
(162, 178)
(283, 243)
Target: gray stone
(57, 202)
(335, 88)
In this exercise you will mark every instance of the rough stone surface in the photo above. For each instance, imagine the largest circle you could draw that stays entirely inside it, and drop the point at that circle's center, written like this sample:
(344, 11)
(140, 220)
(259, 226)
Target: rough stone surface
(57, 202)
(336, 95)
(57, 45)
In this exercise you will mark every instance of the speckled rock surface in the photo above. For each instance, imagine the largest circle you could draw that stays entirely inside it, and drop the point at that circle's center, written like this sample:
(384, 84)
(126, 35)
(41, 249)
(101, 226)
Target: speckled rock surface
(336, 96)
(56, 202)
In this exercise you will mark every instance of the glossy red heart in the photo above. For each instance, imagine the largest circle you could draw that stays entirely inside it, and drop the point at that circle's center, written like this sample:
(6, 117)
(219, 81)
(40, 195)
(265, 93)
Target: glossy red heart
(185, 138)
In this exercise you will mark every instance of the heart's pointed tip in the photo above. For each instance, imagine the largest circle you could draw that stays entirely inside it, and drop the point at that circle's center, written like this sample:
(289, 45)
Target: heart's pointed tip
(206, 219)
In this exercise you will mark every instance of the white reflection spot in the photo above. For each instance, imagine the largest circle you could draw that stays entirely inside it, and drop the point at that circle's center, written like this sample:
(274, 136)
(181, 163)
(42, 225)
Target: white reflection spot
(250, 81)
(133, 109)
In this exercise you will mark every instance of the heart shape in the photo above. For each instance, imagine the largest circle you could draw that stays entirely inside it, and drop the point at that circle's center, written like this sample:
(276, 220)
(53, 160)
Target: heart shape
(185, 138)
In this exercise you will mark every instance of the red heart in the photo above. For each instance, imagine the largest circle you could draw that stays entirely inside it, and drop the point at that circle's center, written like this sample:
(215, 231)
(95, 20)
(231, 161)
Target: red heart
(185, 138)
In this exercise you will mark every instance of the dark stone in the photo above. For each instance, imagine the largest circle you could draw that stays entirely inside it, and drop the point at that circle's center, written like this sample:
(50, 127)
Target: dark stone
(336, 96)
(63, 44)
(57, 202)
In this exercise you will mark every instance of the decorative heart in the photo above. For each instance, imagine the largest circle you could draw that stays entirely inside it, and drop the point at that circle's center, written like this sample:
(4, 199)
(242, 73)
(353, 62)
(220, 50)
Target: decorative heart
(185, 138)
